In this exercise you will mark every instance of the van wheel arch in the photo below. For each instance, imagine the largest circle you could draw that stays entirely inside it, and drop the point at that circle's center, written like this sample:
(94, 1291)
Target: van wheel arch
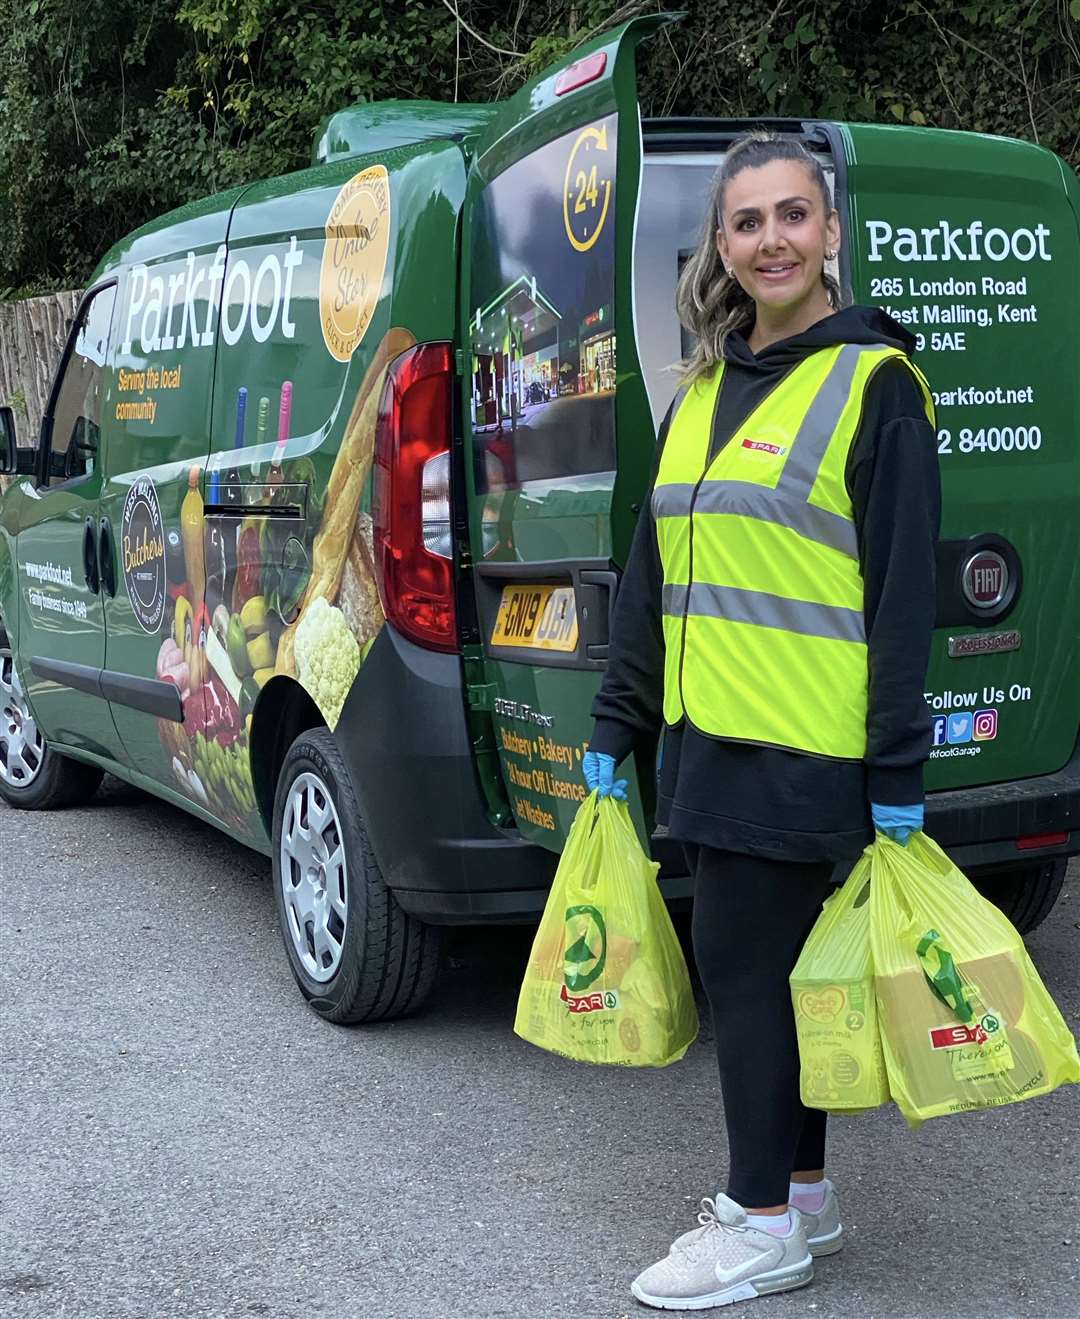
(283, 711)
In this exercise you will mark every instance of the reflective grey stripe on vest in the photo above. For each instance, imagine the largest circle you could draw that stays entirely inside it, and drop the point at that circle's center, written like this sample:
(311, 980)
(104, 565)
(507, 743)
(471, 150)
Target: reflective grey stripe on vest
(821, 420)
(759, 607)
(747, 499)
(787, 505)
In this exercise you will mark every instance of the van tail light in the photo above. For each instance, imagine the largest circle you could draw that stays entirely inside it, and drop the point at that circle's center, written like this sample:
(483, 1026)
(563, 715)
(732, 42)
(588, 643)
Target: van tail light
(411, 501)
(435, 506)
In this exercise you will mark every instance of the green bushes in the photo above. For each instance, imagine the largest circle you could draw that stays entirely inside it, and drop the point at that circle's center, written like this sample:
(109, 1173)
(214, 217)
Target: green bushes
(113, 111)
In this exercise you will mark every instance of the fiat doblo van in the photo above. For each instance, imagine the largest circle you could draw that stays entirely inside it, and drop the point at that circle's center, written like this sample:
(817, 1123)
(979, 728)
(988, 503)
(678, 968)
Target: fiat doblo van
(322, 532)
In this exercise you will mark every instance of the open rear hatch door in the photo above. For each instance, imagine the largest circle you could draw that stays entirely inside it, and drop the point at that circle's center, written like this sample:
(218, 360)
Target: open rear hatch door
(557, 454)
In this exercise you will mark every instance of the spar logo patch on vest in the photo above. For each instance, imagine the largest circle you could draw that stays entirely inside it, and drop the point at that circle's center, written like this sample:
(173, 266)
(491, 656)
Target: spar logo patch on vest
(761, 446)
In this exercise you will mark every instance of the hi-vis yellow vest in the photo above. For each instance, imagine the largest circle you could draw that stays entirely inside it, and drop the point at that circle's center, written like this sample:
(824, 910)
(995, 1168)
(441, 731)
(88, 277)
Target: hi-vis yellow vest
(763, 594)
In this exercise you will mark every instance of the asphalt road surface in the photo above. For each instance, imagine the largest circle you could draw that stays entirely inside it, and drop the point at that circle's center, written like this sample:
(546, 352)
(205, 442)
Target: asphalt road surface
(181, 1137)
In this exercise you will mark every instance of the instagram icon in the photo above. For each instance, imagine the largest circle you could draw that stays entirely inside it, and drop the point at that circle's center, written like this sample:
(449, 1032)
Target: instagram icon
(986, 725)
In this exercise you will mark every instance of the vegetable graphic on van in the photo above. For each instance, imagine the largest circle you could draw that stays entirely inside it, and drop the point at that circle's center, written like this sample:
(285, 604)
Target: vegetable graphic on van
(340, 469)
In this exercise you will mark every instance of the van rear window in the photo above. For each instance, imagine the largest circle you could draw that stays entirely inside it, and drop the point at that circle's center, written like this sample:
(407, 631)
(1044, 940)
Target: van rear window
(542, 318)
(674, 197)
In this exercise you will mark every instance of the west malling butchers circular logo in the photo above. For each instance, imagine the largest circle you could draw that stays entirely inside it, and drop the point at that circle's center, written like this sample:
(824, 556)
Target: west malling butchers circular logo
(354, 260)
(142, 549)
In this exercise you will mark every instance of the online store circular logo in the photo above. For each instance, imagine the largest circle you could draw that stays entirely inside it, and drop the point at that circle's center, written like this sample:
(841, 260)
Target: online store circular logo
(585, 944)
(354, 260)
(142, 550)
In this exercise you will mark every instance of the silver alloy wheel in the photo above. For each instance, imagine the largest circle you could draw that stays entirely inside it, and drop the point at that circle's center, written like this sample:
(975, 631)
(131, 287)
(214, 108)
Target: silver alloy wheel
(22, 748)
(314, 877)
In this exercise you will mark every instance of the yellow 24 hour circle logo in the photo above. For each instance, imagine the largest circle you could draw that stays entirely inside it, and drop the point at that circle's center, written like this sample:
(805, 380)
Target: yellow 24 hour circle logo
(354, 260)
(588, 186)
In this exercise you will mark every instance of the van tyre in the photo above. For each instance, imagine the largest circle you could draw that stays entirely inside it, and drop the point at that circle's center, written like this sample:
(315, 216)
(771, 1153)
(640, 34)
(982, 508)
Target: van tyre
(1026, 894)
(356, 956)
(32, 777)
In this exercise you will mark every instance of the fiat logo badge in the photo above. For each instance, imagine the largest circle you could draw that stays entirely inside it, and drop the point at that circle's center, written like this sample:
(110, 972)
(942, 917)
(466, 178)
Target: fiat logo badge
(985, 579)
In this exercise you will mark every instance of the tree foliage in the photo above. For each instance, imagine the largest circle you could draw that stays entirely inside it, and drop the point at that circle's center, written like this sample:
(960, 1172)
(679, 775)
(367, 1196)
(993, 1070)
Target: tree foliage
(113, 111)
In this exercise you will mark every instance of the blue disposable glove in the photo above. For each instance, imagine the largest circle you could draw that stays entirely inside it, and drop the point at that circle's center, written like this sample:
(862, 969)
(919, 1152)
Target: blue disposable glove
(897, 822)
(599, 771)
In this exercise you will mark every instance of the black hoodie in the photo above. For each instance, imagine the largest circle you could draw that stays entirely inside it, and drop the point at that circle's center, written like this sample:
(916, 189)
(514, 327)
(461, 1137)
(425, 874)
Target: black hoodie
(758, 799)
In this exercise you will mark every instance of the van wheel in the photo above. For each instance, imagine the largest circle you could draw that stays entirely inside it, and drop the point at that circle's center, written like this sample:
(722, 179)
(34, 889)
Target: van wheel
(1025, 894)
(33, 778)
(355, 954)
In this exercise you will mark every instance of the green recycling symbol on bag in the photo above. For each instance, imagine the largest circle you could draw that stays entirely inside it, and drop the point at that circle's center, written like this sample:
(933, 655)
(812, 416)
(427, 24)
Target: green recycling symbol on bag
(585, 942)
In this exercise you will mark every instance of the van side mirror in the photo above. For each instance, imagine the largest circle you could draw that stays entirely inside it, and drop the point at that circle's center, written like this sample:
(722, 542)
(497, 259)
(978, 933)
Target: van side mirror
(13, 460)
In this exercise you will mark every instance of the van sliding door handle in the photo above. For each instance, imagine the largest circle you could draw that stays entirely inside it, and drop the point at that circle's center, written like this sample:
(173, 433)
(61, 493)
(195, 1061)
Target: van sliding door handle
(89, 556)
(107, 557)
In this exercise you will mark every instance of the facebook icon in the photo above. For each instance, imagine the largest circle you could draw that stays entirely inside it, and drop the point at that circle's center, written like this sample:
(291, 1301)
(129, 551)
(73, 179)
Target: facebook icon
(940, 726)
(959, 729)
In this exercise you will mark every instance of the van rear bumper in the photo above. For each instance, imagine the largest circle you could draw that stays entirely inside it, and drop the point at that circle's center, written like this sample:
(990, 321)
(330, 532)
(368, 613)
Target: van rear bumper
(982, 826)
(404, 736)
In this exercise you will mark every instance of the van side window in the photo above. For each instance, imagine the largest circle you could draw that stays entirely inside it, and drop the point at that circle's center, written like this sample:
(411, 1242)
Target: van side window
(75, 421)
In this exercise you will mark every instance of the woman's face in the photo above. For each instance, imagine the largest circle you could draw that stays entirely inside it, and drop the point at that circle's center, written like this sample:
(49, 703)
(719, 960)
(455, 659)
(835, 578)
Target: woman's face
(774, 233)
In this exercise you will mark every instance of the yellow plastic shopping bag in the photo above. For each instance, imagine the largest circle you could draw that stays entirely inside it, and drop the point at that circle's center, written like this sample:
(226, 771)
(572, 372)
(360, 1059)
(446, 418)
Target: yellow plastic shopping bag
(832, 991)
(606, 980)
(966, 1022)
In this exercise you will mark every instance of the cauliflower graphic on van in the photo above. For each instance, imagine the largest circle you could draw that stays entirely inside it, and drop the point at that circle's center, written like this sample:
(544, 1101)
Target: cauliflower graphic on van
(327, 658)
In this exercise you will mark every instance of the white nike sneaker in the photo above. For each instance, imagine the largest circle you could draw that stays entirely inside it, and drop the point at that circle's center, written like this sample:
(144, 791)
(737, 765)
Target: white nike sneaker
(824, 1231)
(725, 1260)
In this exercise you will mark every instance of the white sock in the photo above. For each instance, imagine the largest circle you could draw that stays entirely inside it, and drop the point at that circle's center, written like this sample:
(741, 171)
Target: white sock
(808, 1195)
(778, 1225)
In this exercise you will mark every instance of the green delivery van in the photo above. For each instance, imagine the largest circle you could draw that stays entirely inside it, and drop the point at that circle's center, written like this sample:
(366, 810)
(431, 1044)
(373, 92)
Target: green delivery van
(322, 532)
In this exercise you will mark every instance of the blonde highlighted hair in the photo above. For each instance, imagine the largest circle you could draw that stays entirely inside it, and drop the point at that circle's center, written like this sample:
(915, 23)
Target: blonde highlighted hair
(710, 302)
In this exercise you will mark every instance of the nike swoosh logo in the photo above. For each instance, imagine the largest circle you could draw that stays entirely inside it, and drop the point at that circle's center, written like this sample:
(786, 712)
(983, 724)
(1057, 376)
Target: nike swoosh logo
(729, 1276)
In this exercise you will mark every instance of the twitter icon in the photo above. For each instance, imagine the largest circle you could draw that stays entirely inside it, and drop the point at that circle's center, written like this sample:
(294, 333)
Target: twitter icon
(960, 726)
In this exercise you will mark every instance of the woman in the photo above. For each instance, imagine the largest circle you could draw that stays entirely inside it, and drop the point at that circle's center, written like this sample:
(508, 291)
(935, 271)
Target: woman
(775, 617)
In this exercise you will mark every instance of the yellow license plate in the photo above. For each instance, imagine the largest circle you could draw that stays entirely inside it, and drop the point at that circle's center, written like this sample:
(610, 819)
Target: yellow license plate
(537, 618)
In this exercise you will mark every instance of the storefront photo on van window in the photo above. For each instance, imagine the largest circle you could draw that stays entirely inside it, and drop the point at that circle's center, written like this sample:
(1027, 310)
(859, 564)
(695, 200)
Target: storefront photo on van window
(773, 624)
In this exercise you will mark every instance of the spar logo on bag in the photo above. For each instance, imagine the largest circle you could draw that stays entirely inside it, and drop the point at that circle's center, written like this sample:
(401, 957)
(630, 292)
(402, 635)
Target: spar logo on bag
(953, 1037)
(585, 943)
(602, 1000)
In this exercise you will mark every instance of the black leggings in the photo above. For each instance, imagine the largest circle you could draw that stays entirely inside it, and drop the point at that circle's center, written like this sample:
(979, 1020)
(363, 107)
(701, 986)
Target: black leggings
(751, 918)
